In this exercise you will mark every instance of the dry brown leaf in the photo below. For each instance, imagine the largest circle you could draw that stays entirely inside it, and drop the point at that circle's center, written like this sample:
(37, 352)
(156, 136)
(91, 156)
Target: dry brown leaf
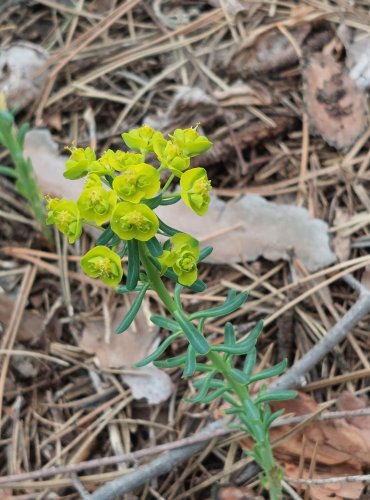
(271, 51)
(123, 351)
(337, 108)
(32, 325)
(23, 70)
(340, 447)
(338, 491)
(250, 227)
(234, 493)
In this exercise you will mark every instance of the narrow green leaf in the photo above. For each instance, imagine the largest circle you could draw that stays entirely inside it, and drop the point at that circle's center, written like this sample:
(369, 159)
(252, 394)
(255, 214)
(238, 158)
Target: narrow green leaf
(270, 372)
(205, 385)
(214, 395)
(162, 322)
(153, 202)
(8, 171)
(239, 376)
(190, 363)
(171, 201)
(250, 362)
(273, 417)
(105, 236)
(133, 269)
(229, 335)
(22, 131)
(170, 231)
(195, 338)
(160, 350)
(213, 383)
(228, 307)
(115, 241)
(276, 396)
(154, 247)
(205, 252)
(171, 362)
(131, 314)
(124, 289)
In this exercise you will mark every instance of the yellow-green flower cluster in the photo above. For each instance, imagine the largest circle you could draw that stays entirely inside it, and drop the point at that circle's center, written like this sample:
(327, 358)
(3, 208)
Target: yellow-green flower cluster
(101, 262)
(182, 258)
(121, 187)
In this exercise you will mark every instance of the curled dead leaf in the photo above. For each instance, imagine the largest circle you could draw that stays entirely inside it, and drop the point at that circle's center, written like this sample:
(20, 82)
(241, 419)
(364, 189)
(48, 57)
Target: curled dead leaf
(337, 108)
(123, 351)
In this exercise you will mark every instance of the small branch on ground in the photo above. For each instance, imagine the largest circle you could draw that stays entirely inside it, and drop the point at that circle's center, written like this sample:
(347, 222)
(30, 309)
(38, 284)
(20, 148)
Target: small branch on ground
(332, 480)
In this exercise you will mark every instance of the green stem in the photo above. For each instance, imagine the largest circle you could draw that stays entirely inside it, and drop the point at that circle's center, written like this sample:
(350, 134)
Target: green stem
(168, 183)
(267, 462)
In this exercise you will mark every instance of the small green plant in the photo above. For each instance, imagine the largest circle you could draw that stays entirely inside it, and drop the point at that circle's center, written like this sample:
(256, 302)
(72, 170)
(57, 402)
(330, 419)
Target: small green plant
(26, 184)
(122, 192)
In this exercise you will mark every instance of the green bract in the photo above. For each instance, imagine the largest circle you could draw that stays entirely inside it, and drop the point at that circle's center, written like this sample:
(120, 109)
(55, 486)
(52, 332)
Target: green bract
(140, 139)
(66, 217)
(100, 262)
(194, 190)
(183, 258)
(137, 182)
(79, 163)
(190, 141)
(96, 204)
(170, 155)
(134, 221)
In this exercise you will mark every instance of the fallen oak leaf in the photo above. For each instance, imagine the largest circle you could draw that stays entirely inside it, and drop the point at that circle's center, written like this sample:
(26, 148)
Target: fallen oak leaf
(123, 351)
(337, 108)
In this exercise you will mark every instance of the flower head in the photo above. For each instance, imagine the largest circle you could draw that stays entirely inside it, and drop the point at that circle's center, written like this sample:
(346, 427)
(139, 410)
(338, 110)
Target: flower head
(79, 163)
(190, 141)
(66, 217)
(183, 258)
(101, 262)
(115, 160)
(96, 204)
(140, 139)
(170, 155)
(137, 182)
(134, 221)
(194, 190)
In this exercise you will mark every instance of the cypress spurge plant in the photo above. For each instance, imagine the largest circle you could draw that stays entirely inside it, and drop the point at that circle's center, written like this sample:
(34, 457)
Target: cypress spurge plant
(120, 196)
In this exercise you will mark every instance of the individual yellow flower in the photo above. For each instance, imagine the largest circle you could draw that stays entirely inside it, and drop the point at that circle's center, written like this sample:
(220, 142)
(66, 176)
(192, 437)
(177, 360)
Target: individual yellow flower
(140, 139)
(101, 262)
(79, 163)
(194, 190)
(182, 258)
(137, 182)
(96, 204)
(170, 155)
(66, 217)
(190, 141)
(111, 161)
(134, 221)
